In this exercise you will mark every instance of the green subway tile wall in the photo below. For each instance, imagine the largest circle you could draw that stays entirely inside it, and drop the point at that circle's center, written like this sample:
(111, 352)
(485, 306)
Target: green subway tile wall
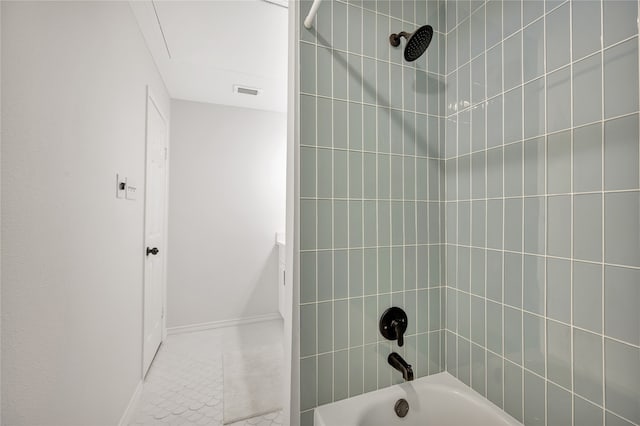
(371, 187)
(548, 327)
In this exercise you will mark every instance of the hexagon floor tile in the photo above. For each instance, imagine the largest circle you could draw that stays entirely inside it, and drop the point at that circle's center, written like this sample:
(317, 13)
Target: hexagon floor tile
(184, 384)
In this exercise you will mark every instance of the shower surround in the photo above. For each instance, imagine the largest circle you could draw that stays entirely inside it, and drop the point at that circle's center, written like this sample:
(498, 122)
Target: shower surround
(542, 202)
(371, 207)
(490, 189)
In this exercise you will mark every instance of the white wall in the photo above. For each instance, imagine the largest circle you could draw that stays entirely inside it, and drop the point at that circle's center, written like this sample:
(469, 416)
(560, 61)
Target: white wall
(292, 299)
(227, 200)
(74, 78)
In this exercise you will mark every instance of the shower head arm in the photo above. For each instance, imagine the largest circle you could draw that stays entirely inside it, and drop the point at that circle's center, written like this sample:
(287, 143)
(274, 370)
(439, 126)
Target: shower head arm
(394, 39)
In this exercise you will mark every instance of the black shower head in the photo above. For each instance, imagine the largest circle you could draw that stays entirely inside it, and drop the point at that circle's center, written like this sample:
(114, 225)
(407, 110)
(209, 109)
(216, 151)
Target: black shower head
(417, 42)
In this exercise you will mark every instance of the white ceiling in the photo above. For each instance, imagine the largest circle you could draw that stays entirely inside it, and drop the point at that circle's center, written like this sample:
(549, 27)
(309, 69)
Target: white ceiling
(204, 48)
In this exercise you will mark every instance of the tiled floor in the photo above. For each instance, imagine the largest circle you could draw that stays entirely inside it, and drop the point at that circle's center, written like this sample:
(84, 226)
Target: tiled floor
(184, 384)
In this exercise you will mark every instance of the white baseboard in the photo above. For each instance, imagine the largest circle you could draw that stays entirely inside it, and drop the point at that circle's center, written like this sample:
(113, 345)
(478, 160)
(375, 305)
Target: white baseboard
(133, 402)
(224, 323)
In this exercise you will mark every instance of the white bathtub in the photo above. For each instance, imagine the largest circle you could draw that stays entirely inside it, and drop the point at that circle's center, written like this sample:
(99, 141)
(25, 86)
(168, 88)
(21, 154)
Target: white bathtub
(437, 400)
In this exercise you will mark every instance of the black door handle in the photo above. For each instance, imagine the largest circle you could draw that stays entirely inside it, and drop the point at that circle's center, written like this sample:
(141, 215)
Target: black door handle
(152, 251)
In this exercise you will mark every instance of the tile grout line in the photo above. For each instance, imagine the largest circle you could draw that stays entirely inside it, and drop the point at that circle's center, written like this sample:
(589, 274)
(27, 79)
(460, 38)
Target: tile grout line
(446, 230)
(486, 211)
(501, 47)
(361, 96)
(468, 42)
(316, 254)
(546, 256)
(522, 218)
(377, 386)
(457, 148)
(333, 307)
(602, 198)
(348, 190)
(390, 209)
(546, 225)
(511, 197)
(571, 230)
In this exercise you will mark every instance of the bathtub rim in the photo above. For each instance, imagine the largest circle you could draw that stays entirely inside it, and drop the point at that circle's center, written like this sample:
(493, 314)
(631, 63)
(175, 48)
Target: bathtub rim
(444, 379)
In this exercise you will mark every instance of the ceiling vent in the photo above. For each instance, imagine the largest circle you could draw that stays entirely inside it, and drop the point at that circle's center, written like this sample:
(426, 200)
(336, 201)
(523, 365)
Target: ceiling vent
(244, 90)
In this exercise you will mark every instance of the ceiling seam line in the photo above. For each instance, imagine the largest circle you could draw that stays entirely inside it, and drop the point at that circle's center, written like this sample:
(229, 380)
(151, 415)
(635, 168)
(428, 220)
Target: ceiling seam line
(166, 45)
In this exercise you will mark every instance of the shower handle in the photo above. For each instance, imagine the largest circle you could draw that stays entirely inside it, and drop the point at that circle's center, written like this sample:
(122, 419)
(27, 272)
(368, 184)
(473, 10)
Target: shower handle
(400, 328)
(393, 324)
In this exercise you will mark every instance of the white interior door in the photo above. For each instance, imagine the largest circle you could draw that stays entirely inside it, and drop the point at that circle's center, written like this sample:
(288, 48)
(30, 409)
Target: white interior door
(155, 250)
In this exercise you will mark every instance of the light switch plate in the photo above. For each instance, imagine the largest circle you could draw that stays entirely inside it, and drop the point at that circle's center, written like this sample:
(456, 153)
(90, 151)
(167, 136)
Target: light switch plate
(132, 190)
(121, 186)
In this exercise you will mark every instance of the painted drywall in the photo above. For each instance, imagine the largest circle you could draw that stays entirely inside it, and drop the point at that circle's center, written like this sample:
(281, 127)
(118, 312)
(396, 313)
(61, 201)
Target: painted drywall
(202, 65)
(291, 372)
(227, 185)
(74, 82)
